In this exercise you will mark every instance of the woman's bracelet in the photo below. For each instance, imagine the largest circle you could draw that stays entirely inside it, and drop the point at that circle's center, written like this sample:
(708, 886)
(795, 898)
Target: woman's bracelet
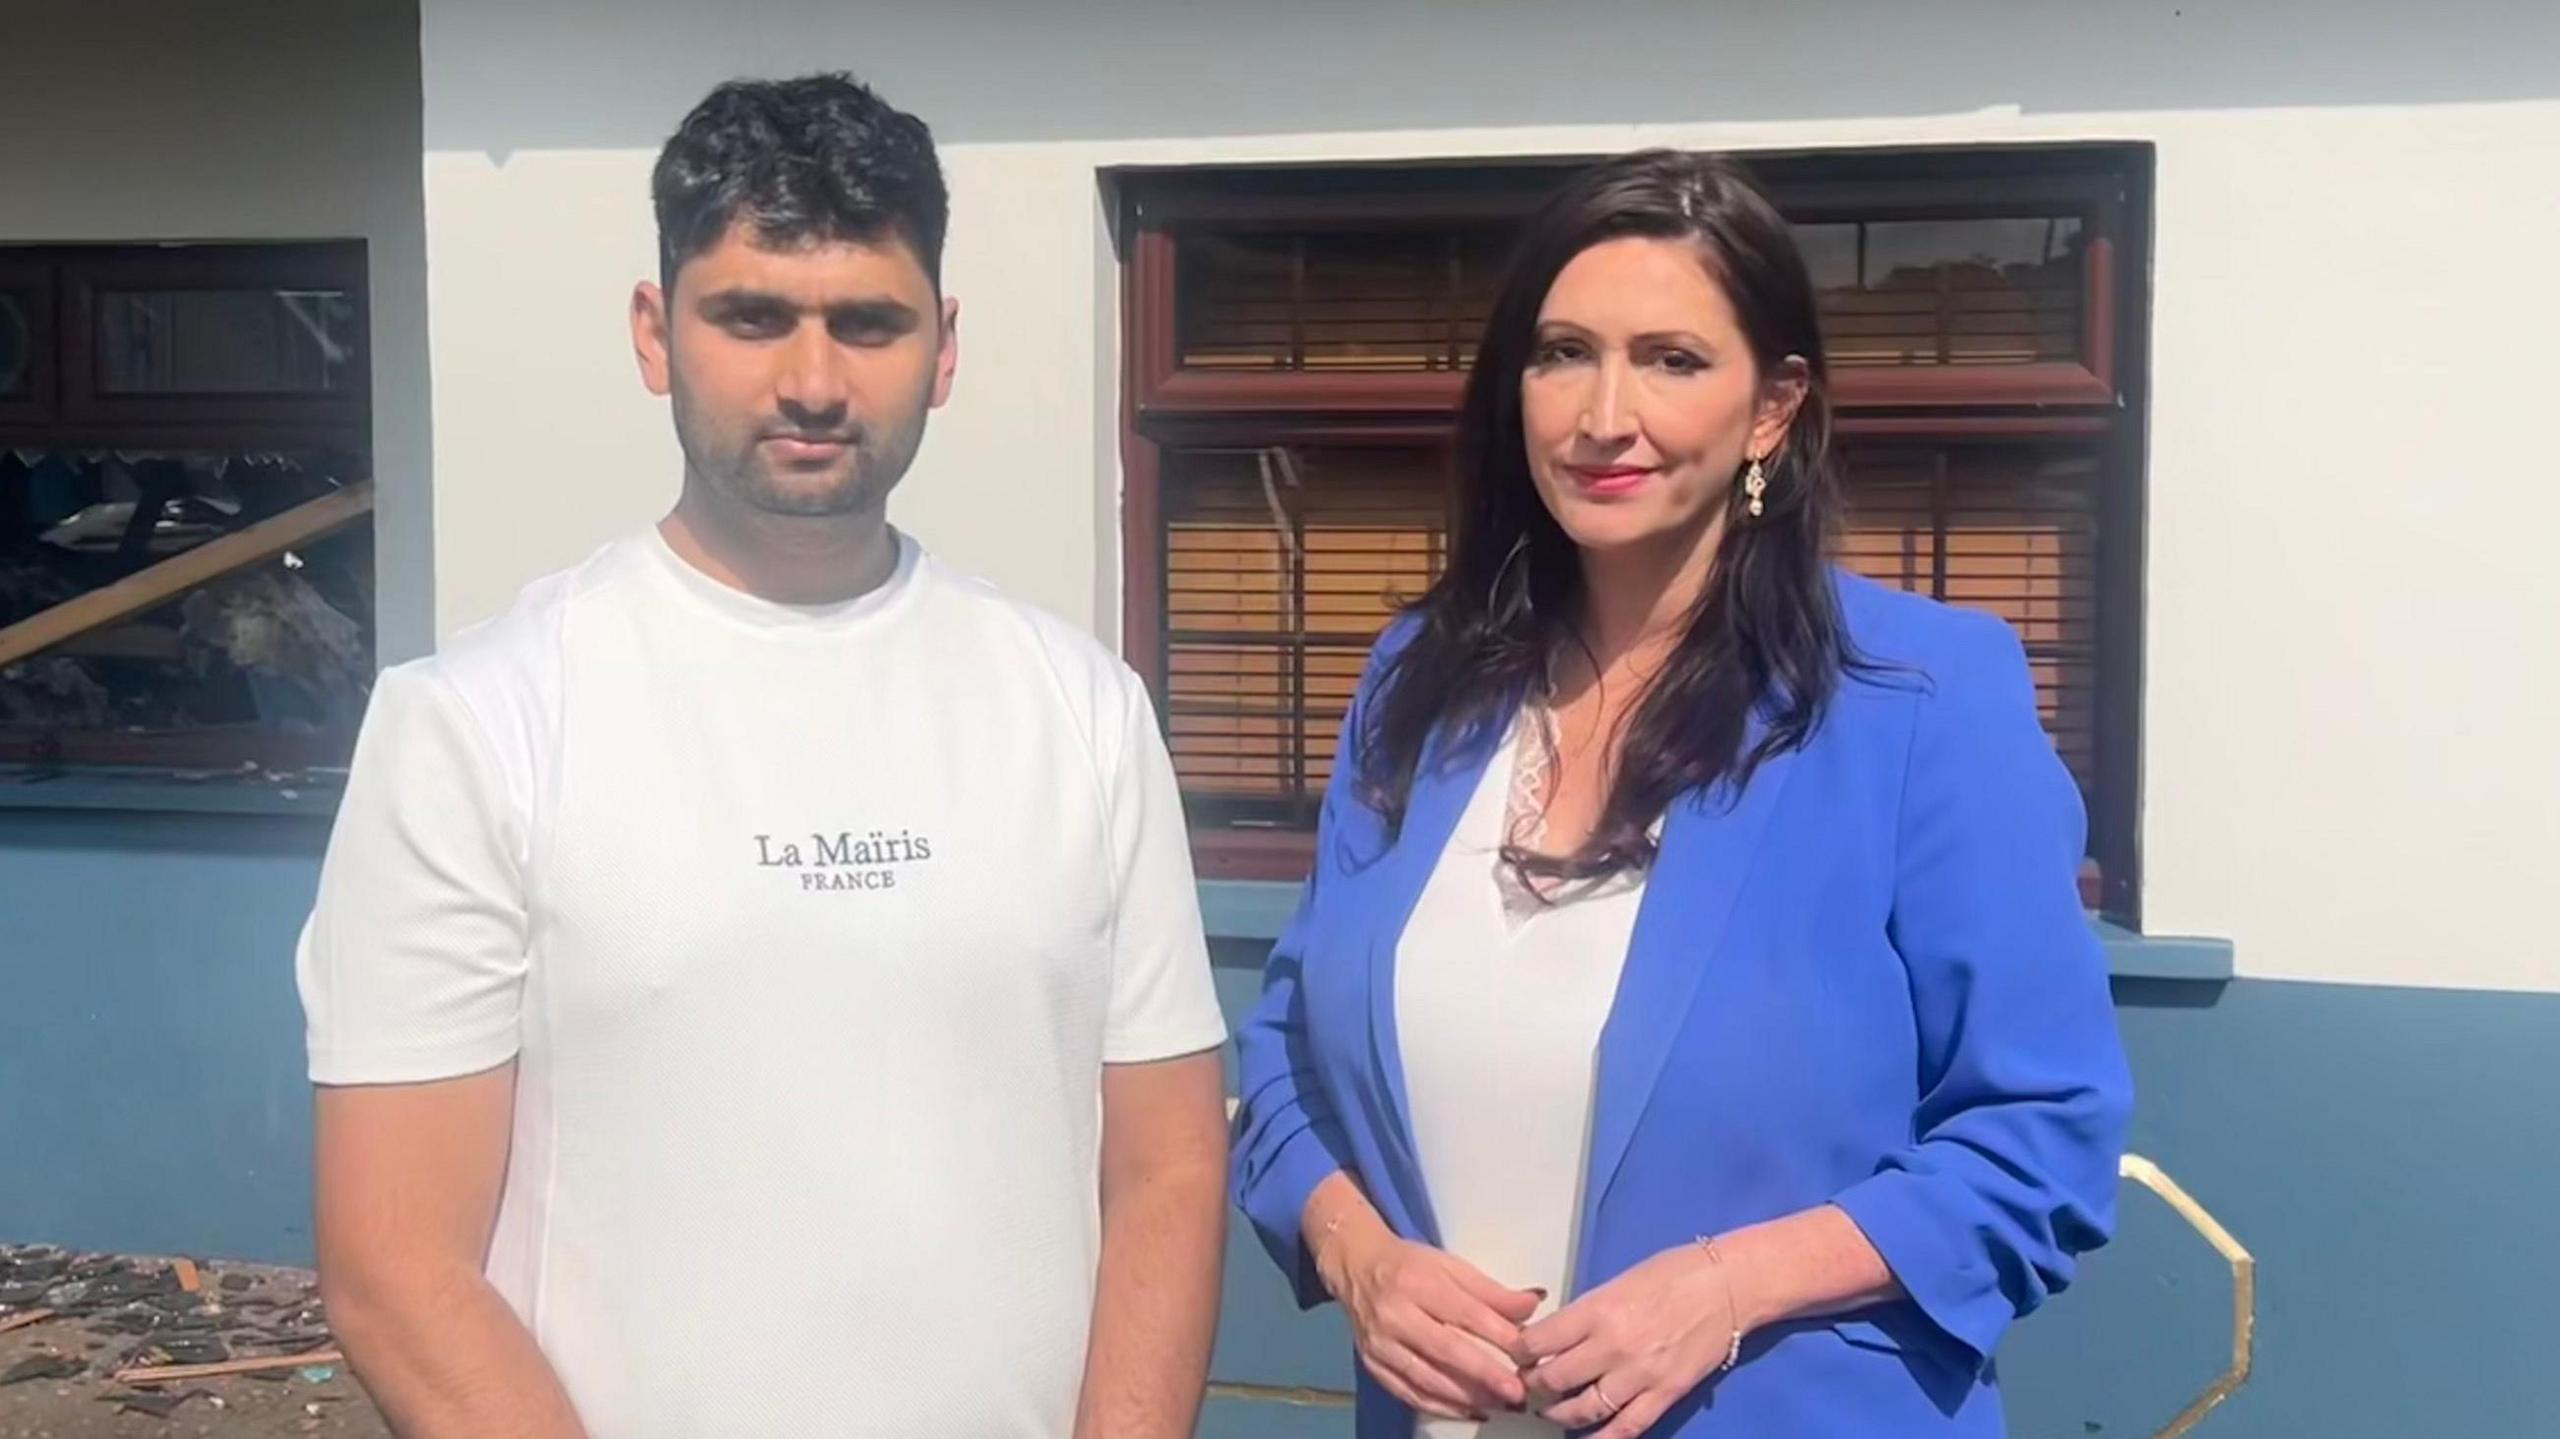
(1323, 1237)
(1732, 1307)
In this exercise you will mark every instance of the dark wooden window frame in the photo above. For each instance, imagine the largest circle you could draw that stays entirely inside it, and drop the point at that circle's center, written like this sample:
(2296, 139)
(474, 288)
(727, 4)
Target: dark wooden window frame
(2102, 398)
(67, 409)
(31, 284)
(64, 410)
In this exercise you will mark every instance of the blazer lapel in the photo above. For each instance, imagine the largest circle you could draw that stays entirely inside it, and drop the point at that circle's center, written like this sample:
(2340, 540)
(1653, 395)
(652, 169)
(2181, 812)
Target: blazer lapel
(1709, 842)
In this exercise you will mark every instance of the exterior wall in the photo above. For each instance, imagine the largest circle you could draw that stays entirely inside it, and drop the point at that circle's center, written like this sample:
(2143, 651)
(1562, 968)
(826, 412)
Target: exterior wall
(151, 1083)
(2353, 200)
(2336, 1130)
(2369, 1143)
(152, 1097)
(2345, 472)
(130, 120)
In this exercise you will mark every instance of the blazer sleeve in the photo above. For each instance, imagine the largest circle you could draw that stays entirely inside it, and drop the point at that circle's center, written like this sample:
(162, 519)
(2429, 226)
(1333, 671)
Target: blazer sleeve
(2024, 1092)
(1288, 1138)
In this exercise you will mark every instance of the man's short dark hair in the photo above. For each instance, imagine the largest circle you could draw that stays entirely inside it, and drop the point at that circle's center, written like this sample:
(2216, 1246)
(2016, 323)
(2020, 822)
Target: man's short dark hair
(820, 158)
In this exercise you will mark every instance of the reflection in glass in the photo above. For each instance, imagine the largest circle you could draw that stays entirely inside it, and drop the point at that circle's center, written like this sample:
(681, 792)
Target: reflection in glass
(1377, 301)
(1988, 291)
(226, 342)
(17, 346)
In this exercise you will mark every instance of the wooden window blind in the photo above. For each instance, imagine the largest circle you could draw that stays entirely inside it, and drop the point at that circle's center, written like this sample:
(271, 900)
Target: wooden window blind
(1378, 300)
(2011, 529)
(1281, 565)
(1299, 337)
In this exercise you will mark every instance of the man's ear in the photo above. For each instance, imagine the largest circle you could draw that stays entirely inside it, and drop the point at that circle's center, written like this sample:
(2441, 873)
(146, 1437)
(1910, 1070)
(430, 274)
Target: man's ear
(948, 363)
(649, 335)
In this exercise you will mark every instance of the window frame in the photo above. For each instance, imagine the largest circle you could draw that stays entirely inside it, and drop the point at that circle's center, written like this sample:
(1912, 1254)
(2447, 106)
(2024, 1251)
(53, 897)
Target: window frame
(68, 410)
(65, 411)
(2101, 399)
(31, 283)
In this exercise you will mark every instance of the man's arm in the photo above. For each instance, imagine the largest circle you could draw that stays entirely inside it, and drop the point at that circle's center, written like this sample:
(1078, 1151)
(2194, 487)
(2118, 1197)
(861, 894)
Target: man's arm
(1164, 1223)
(406, 1194)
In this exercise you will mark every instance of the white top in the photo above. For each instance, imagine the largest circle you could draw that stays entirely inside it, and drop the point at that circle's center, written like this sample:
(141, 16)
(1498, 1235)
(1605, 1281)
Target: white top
(811, 929)
(1500, 1000)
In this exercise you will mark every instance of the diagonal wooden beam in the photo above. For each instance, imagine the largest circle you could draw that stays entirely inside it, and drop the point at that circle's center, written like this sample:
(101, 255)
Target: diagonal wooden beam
(149, 588)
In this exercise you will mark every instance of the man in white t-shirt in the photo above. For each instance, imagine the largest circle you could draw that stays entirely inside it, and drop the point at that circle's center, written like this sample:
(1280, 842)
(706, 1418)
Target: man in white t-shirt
(757, 985)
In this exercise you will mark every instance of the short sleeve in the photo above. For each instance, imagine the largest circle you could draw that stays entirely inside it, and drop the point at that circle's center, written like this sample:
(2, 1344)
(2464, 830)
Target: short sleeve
(412, 965)
(1163, 1001)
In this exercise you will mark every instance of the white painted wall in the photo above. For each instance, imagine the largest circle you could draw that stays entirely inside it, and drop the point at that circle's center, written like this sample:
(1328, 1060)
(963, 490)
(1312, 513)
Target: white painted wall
(2354, 649)
(125, 120)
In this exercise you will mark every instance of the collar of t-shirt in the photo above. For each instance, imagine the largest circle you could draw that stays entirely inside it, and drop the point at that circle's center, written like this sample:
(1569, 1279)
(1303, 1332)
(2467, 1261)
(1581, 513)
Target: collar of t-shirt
(835, 619)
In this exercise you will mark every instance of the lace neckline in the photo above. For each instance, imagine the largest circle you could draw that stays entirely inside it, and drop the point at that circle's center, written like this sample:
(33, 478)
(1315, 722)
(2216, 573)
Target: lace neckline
(1530, 787)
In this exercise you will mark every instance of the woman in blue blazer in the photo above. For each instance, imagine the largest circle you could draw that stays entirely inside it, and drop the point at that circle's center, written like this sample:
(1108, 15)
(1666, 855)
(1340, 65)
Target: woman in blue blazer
(1691, 1026)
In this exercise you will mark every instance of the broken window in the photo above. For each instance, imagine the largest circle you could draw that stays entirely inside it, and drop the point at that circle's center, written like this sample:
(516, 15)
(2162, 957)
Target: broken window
(186, 554)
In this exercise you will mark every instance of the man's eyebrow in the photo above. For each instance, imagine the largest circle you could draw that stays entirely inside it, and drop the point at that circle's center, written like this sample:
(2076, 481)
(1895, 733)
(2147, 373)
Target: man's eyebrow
(738, 298)
(876, 312)
(881, 313)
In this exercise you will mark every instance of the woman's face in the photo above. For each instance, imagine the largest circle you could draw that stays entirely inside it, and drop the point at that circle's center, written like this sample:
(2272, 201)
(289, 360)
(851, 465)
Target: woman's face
(1641, 401)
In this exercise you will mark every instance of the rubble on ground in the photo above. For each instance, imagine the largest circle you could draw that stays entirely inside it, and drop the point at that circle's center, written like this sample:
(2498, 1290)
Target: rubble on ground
(169, 1339)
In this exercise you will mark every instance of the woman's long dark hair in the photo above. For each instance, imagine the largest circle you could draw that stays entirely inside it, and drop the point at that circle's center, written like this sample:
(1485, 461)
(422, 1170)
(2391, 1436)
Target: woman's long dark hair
(1766, 636)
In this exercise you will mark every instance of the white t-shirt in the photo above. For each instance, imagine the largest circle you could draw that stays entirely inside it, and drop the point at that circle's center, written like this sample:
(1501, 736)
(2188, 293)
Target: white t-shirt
(810, 929)
(1500, 1000)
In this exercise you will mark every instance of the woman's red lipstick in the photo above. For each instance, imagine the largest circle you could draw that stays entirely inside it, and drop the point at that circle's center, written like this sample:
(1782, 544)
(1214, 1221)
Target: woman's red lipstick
(1603, 481)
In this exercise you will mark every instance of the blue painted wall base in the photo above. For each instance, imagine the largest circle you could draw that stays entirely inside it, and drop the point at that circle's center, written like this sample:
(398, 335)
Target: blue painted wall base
(152, 1092)
(2389, 1154)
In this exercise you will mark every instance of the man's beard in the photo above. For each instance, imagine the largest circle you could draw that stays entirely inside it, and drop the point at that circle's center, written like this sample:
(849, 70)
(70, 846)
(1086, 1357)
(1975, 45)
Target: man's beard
(843, 490)
(738, 468)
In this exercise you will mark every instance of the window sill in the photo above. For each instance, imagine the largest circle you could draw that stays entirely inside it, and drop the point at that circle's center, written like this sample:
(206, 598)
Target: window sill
(162, 792)
(2193, 958)
(1259, 909)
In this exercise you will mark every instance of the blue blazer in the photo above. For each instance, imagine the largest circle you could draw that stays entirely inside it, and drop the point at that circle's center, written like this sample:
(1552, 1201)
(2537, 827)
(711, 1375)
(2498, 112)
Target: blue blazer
(1864, 979)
